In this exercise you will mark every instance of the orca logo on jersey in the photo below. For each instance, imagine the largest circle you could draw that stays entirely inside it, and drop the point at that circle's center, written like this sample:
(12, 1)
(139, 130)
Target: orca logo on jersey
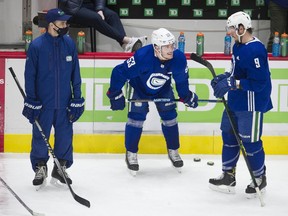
(157, 80)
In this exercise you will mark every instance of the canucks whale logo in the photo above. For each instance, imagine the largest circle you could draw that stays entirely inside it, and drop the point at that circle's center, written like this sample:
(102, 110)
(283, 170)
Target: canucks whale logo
(157, 80)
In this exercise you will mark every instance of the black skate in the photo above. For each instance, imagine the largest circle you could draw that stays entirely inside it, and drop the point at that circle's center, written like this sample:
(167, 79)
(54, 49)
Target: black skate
(261, 182)
(40, 175)
(225, 183)
(57, 174)
(132, 162)
(175, 159)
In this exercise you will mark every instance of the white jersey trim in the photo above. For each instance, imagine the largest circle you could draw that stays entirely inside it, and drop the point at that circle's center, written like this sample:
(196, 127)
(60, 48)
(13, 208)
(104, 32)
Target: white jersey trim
(255, 133)
(251, 101)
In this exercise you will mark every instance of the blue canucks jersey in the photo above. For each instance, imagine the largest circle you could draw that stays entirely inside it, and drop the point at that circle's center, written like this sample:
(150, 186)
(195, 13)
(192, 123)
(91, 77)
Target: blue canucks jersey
(149, 76)
(250, 66)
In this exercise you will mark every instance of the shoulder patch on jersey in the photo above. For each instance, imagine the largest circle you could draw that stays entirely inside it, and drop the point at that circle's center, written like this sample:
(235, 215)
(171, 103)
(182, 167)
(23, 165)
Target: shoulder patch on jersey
(186, 69)
(68, 58)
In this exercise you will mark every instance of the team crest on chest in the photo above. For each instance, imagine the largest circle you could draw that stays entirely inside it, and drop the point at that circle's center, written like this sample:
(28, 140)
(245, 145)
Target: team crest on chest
(156, 80)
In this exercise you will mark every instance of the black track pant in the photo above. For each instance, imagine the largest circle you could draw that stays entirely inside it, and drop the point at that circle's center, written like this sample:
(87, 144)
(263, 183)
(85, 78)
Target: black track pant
(111, 26)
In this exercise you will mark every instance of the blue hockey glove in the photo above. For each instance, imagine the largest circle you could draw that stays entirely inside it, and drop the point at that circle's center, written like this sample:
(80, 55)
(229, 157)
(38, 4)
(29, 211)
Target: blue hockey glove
(224, 86)
(191, 100)
(75, 109)
(219, 78)
(31, 109)
(117, 100)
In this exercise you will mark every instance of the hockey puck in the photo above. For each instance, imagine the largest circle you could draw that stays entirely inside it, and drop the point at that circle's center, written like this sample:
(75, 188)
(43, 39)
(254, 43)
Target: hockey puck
(197, 159)
(210, 163)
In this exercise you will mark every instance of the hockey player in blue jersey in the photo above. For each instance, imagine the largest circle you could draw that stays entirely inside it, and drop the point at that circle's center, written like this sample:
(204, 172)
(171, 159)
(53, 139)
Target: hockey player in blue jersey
(149, 72)
(249, 88)
(53, 90)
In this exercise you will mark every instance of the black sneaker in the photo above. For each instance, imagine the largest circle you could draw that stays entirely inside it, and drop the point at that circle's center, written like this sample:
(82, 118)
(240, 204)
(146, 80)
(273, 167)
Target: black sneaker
(40, 173)
(131, 161)
(225, 183)
(57, 174)
(261, 182)
(175, 158)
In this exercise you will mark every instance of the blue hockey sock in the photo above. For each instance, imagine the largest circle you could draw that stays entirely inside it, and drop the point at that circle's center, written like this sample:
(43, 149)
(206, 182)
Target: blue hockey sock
(256, 157)
(132, 137)
(171, 135)
(230, 151)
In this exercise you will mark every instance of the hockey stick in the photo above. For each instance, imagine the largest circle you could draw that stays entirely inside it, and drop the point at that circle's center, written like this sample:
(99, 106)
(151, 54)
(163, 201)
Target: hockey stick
(20, 200)
(207, 64)
(75, 196)
(157, 100)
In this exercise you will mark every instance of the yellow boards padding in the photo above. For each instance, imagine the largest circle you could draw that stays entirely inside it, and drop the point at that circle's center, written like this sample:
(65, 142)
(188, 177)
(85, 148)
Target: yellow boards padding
(149, 144)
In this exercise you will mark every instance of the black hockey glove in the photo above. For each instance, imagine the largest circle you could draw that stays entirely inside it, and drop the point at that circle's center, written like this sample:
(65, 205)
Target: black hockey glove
(191, 100)
(219, 78)
(31, 109)
(75, 109)
(224, 86)
(117, 100)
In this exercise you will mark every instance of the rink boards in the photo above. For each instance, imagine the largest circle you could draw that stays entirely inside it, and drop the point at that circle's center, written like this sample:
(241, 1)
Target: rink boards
(101, 130)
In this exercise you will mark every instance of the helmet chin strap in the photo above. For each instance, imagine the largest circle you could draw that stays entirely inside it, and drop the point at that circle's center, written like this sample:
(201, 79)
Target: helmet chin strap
(240, 36)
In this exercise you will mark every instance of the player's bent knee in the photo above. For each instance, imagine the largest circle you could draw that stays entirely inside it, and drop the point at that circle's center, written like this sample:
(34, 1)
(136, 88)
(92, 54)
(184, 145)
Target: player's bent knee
(135, 123)
(170, 123)
(253, 148)
(168, 115)
(137, 116)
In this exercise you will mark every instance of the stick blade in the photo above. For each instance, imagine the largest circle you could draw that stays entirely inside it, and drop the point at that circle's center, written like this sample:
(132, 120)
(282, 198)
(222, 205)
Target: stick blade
(204, 62)
(196, 58)
(199, 59)
(260, 196)
(38, 214)
(82, 200)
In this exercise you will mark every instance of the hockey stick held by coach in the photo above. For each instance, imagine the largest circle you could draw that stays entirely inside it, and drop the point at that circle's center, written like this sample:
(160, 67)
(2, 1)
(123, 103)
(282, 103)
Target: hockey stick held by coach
(32, 109)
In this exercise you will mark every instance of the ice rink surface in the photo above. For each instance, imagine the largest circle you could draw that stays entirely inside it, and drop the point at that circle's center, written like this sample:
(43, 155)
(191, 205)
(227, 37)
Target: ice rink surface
(157, 190)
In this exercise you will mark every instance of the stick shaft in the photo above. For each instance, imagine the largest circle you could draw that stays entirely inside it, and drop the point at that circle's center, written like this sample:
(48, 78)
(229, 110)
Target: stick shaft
(16, 196)
(158, 100)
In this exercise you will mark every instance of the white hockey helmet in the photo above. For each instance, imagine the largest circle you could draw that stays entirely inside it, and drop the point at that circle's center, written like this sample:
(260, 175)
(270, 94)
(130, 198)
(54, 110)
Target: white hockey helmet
(162, 37)
(239, 18)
